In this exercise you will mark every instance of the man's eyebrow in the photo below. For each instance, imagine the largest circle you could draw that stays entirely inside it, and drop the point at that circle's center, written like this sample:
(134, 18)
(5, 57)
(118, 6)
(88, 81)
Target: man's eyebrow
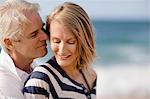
(43, 24)
(34, 32)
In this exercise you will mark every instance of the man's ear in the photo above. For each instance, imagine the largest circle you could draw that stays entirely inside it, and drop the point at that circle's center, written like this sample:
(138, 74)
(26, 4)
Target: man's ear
(8, 43)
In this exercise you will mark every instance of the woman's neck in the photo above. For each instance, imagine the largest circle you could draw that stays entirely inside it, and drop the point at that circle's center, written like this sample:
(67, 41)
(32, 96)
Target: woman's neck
(71, 71)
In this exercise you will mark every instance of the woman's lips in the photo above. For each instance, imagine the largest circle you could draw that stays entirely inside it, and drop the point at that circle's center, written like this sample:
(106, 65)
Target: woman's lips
(63, 57)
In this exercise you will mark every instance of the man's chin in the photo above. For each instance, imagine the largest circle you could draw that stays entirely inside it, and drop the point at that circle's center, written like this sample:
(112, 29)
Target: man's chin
(42, 54)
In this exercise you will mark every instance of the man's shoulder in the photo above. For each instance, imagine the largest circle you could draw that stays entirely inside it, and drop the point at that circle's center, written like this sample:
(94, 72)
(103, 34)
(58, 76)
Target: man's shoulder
(3, 70)
(8, 82)
(7, 76)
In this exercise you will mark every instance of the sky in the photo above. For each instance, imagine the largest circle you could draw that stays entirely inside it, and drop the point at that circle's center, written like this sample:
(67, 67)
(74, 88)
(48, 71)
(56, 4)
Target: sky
(137, 10)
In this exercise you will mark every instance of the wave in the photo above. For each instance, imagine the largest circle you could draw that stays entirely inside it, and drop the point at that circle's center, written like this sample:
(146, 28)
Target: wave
(122, 54)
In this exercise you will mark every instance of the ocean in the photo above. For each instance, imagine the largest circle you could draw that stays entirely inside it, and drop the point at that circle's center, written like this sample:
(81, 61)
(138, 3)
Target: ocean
(119, 43)
(122, 42)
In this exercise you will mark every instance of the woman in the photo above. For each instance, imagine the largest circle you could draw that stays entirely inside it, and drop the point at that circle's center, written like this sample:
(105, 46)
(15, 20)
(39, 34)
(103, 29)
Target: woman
(69, 73)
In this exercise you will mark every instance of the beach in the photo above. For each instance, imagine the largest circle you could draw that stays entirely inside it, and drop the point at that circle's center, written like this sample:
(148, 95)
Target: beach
(123, 82)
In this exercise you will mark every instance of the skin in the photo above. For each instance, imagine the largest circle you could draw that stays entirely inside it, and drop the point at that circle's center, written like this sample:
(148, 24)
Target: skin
(64, 46)
(31, 45)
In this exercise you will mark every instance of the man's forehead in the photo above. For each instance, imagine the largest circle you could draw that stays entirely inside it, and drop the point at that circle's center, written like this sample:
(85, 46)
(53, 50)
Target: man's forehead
(35, 22)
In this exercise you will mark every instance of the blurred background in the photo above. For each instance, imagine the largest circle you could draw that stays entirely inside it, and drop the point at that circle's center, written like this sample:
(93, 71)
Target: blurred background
(122, 36)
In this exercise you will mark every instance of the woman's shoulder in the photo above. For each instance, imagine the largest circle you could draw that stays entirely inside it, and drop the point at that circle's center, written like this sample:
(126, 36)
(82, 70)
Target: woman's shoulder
(41, 71)
(90, 75)
(42, 67)
(39, 76)
(90, 72)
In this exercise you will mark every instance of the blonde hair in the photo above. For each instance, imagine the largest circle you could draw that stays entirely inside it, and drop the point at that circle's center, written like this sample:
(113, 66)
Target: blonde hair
(14, 19)
(78, 22)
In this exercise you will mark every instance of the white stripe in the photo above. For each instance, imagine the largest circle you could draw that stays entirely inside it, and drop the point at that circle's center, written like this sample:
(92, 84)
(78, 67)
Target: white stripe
(60, 92)
(53, 80)
(37, 82)
(34, 96)
(93, 96)
(68, 94)
(63, 79)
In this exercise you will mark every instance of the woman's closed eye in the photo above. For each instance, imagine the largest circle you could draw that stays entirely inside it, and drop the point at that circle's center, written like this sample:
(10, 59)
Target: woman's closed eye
(71, 41)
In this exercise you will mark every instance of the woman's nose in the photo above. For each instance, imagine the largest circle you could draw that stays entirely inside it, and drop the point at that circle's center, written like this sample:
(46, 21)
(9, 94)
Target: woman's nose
(62, 48)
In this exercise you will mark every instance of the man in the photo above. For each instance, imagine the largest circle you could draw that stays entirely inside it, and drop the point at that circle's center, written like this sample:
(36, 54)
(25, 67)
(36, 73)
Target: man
(22, 40)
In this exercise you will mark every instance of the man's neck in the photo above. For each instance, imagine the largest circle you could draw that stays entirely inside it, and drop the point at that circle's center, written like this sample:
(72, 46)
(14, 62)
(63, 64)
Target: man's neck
(22, 63)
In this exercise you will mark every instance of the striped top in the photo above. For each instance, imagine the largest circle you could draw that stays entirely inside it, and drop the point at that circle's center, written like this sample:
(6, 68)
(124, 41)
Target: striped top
(49, 81)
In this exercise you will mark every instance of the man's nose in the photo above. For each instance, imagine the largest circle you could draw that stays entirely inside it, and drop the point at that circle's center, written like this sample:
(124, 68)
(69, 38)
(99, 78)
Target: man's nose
(43, 36)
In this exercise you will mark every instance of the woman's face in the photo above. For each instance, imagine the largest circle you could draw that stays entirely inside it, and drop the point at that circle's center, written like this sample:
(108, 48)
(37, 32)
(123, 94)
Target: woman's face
(63, 44)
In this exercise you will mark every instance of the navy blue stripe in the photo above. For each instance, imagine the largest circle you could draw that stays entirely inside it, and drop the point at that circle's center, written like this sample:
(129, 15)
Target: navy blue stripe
(27, 80)
(44, 77)
(53, 91)
(55, 65)
(40, 75)
(36, 90)
(93, 91)
(63, 86)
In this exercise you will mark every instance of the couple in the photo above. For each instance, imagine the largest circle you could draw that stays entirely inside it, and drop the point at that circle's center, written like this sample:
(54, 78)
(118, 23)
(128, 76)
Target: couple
(66, 75)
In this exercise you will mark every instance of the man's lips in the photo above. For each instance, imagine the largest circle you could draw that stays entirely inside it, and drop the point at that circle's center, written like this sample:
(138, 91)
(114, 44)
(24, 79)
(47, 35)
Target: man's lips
(44, 45)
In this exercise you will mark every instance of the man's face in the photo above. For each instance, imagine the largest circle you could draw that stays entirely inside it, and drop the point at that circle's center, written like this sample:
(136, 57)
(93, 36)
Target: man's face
(32, 43)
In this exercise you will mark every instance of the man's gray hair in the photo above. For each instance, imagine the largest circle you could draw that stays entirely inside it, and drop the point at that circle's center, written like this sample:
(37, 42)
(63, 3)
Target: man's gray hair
(14, 18)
